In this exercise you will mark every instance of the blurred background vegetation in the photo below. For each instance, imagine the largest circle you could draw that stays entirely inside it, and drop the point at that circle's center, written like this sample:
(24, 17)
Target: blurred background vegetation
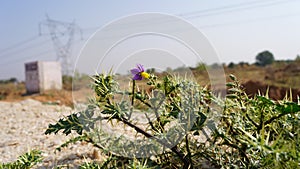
(280, 77)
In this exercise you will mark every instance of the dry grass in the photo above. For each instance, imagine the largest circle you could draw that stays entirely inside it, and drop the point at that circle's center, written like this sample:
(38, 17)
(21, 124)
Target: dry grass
(280, 74)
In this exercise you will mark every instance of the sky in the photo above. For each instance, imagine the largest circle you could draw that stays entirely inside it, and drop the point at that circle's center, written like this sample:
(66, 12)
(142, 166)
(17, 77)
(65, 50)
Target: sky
(236, 29)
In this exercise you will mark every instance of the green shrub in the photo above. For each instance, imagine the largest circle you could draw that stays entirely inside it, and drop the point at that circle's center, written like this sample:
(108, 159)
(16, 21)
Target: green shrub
(249, 133)
(256, 132)
(26, 161)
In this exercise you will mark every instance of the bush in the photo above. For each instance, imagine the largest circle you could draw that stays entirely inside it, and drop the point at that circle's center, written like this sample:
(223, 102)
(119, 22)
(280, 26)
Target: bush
(256, 133)
(264, 58)
(231, 65)
(250, 133)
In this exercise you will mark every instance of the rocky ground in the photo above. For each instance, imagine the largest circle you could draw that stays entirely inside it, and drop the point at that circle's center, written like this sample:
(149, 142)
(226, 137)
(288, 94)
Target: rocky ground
(23, 124)
(22, 127)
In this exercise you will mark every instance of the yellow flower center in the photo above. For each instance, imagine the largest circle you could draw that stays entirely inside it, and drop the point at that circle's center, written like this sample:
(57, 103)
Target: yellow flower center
(145, 75)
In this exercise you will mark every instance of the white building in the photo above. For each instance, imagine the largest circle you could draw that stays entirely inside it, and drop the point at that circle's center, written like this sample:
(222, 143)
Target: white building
(41, 76)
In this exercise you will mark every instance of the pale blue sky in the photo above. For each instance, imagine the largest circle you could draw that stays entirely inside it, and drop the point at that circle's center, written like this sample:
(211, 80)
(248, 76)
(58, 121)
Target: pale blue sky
(238, 29)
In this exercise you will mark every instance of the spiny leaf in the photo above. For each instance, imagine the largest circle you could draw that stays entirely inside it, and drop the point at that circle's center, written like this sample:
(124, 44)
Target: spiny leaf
(289, 107)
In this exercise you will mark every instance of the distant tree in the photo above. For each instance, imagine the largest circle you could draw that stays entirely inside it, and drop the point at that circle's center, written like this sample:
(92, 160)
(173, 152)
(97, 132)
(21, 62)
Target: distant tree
(231, 65)
(243, 64)
(152, 70)
(297, 58)
(264, 58)
(11, 80)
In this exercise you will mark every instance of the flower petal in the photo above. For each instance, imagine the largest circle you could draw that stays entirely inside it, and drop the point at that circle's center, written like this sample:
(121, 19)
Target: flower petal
(135, 71)
(140, 67)
(137, 77)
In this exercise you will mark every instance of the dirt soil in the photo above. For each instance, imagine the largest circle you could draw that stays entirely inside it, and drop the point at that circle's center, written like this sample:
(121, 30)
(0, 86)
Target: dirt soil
(23, 124)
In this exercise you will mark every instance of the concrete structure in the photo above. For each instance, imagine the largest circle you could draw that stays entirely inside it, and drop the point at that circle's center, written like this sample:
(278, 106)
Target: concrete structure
(41, 76)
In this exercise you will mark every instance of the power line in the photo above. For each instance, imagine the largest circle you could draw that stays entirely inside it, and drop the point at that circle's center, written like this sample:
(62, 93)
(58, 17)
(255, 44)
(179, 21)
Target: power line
(220, 25)
(17, 60)
(240, 8)
(249, 20)
(190, 15)
(202, 13)
(205, 11)
(26, 48)
(218, 9)
(19, 44)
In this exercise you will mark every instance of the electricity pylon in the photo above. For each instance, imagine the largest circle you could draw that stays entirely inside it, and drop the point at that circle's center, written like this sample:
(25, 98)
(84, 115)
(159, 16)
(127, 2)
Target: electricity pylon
(62, 35)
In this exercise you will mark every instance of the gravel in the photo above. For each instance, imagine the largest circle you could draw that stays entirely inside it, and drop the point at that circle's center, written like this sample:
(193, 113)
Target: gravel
(22, 127)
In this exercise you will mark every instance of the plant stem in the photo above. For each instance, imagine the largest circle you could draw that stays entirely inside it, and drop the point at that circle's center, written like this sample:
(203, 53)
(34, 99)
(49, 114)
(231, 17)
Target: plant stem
(173, 148)
(132, 99)
(272, 119)
(133, 93)
(188, 151)
(252, 121)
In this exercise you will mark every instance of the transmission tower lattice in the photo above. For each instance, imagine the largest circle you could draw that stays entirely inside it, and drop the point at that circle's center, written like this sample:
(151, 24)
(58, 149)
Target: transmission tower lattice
(62, 35)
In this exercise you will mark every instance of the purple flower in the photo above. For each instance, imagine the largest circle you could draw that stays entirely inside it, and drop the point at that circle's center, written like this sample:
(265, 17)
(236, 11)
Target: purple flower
(139, 73)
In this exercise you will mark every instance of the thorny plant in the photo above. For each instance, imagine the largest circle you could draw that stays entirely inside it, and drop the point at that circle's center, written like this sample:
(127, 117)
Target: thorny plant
(256, 132)
(25, 161)
(252, 132)
(171, 99)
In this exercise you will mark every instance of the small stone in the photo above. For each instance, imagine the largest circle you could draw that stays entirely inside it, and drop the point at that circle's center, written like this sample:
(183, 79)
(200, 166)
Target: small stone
(13, 144)
(96, 155)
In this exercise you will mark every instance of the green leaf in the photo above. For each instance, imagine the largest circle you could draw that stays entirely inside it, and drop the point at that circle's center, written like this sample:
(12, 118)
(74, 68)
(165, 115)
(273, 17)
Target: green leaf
(71, 141)
(232, 96)
(230, 84)
(199, 122)
(67, 125)
(25, 161)
(265, 100)
(232, 77)
(289, 107)
(234, 90)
